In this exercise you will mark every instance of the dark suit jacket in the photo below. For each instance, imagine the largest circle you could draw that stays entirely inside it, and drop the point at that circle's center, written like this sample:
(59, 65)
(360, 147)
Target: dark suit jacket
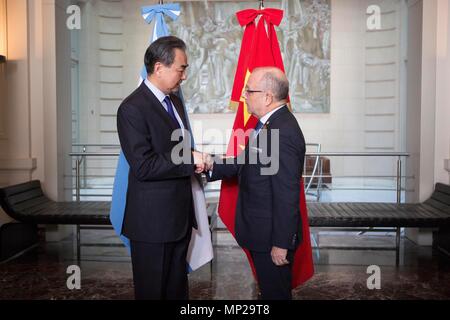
(159, 199)
(267, 211)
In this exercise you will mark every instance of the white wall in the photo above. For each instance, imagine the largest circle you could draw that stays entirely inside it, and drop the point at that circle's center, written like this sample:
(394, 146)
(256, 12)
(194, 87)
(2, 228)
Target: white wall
(428, 113)
(36, 58)
(3, 28)
(442, 133)
(16, 161)
(428, 99)
(413, 101)
(3, 52)
(37, 135)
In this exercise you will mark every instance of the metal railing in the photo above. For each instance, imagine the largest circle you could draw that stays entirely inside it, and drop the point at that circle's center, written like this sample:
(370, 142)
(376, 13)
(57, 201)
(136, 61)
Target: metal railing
(398, 155)
(316, 172)
(81, 158)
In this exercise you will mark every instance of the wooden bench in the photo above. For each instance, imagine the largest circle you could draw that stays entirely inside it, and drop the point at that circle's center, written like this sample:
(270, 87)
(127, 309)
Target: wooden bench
(27, 203)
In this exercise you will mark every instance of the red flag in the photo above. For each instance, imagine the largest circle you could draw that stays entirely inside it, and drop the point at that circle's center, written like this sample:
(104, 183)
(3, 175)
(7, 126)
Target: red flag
(259, 48)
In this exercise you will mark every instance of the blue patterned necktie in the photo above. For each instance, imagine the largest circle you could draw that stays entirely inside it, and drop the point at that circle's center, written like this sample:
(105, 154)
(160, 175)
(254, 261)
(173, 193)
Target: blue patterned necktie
(170, 110)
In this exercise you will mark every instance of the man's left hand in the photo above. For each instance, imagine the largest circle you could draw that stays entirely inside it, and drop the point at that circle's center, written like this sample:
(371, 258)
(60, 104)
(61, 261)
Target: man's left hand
(279, 256)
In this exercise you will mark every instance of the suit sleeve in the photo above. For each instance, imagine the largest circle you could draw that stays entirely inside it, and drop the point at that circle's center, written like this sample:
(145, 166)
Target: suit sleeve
(286, 190)
(136, 143)
(226, 168)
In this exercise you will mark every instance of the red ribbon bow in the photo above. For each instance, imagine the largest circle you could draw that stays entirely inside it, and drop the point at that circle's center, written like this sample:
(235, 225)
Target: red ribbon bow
(273, 16)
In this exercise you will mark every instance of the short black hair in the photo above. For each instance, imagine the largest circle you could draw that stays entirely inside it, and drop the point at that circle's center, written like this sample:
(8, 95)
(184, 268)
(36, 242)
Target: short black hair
(162, 50)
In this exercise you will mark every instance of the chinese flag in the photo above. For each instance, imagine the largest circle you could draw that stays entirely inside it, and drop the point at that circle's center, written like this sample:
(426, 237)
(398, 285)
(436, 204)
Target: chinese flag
(259, 48)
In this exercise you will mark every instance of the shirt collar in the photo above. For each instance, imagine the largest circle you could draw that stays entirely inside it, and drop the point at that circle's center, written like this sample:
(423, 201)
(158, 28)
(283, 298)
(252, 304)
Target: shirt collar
(158, 93)
(267, 115)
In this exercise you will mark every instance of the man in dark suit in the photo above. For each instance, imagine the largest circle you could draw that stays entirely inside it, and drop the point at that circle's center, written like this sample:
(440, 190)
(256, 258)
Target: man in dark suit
(159, 213)
(268, 220)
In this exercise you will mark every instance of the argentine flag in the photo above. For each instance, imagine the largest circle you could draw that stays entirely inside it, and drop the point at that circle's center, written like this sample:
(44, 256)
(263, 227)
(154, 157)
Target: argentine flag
(200, 249)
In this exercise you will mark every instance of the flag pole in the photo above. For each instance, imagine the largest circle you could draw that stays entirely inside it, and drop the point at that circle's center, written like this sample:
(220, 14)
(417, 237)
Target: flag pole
(261, 4)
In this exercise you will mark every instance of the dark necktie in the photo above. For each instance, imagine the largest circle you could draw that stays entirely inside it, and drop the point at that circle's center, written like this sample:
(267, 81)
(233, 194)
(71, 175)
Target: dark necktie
(170, 110)
(259, 125)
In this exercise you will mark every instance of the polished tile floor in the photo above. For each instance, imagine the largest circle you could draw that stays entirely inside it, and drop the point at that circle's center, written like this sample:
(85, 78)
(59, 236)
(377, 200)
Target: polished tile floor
(424, 273)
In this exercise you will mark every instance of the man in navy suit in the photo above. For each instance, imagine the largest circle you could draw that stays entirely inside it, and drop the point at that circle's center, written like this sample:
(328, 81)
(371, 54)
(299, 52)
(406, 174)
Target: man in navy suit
(269, 170)
(159, 213)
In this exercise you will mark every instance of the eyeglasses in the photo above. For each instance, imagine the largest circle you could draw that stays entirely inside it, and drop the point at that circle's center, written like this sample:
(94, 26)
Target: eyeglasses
(248, 91)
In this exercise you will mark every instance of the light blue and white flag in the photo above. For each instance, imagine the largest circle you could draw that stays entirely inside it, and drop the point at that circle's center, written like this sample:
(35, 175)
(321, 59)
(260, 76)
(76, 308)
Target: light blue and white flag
(200, 249)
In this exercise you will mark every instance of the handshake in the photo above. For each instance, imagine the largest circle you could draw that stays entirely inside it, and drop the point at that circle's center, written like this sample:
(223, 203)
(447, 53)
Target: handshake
(203, 161)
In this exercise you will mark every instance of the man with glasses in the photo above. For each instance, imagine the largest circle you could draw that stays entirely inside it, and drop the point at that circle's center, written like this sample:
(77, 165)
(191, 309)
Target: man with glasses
(268, 220)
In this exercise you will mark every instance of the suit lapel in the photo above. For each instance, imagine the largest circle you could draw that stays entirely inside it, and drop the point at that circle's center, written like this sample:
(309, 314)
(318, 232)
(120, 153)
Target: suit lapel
(278, 113)
(267, 124)
(255, 144)
(156, 105)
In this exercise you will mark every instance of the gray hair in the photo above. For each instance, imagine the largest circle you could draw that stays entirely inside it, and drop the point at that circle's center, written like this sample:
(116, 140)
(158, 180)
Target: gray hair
(275, 80)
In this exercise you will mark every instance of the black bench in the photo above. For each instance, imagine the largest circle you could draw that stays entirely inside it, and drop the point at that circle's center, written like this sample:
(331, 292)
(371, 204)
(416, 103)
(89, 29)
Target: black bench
(27, 203)
(433, 213)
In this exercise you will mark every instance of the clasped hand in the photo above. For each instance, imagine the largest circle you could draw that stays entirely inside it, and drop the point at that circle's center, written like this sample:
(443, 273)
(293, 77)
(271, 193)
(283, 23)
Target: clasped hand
(203, 161)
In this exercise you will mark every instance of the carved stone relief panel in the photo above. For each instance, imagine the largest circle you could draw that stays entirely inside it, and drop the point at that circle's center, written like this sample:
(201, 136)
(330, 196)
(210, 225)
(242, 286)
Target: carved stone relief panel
(213, 37)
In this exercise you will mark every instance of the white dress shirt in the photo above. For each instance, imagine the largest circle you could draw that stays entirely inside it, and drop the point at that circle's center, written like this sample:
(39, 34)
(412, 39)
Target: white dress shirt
(266, 117)
(160, 96)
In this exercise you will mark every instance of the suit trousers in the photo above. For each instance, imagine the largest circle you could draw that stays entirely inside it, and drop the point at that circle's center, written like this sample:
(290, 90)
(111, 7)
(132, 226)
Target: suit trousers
(160, 269)
(274, 281)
